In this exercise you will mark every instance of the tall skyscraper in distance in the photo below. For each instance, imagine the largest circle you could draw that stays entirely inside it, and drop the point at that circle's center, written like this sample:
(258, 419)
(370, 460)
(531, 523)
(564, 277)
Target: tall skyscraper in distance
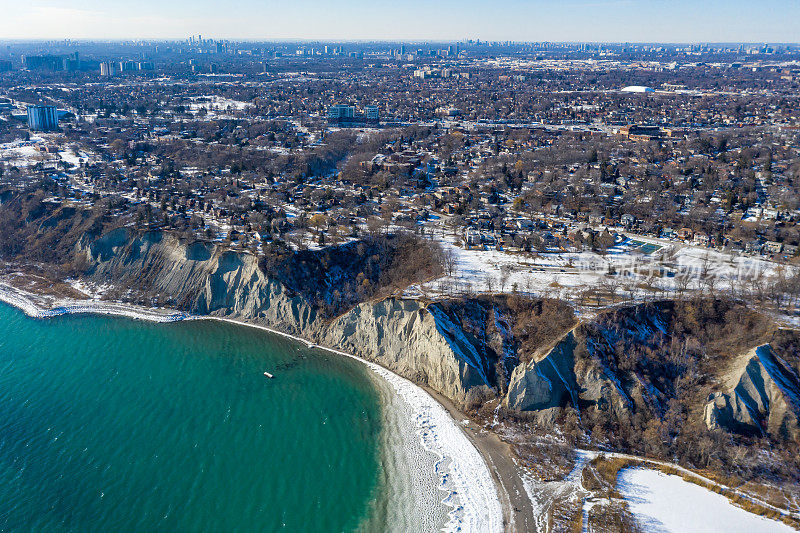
(42, 117)
(108, 68)
(126, 66)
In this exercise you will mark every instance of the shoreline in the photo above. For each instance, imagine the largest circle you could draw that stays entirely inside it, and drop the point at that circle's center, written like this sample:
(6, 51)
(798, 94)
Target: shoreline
(471, 510)
(473, 490)
(411, 495)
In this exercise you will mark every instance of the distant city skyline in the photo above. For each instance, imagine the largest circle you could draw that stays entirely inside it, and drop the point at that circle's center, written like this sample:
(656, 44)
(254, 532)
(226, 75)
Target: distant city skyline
(772, 21)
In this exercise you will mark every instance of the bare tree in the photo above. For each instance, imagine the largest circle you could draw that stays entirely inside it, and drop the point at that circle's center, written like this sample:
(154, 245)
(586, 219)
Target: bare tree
(707, 276)
(505, 272)
(682, 280)
(449, 261)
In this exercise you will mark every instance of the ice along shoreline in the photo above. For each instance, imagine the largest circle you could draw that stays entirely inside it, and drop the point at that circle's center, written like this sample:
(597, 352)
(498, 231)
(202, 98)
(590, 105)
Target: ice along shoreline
(470, 491)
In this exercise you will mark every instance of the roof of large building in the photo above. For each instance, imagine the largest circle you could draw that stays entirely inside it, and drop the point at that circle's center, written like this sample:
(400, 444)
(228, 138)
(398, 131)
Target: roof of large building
(637, 89)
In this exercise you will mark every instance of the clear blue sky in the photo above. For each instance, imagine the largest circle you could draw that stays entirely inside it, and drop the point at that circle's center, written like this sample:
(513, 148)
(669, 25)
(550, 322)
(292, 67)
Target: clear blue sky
(533, 20)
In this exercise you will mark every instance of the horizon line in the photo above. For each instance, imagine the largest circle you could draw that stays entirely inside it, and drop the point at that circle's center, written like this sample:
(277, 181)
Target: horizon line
(378, 40)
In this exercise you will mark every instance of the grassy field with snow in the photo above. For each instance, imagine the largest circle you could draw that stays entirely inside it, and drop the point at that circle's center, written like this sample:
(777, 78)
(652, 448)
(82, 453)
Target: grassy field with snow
(666, 503)
(625, 272)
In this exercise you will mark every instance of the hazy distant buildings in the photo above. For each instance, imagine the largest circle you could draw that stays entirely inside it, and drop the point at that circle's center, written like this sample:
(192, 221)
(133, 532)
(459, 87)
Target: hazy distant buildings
(112, 68)
(427, 72)
(5, 66)
(42, 117)
(344, 115)
(46, 62)
(108, 69)
(128, 66)
(64, 63)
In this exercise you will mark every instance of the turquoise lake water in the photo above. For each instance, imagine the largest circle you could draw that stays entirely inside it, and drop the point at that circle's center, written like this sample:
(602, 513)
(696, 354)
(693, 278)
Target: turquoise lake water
(113, 424)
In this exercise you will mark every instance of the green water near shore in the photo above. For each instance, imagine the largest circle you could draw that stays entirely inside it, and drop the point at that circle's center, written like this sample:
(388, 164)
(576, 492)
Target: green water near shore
(113, 424)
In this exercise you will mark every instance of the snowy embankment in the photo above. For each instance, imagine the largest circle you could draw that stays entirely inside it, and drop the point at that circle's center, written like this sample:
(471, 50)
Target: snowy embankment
(471, 492)
(463, 473)
(27, 304)
(667, 503)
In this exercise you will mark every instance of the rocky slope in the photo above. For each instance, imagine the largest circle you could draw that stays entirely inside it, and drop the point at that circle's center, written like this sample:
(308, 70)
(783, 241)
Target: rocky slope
(418, 342)
(545, 382)
(642, 360)
(196, 277)
(761, 395)
(635, 361)
(578, 371)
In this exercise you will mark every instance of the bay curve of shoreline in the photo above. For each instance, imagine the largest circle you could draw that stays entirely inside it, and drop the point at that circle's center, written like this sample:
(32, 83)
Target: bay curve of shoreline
(470, 491)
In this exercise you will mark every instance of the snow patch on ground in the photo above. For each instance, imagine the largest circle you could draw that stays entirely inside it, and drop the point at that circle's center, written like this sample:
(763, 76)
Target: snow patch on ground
(566, 273)
(23, 153)
(667, 503)
(471, 492)
(542, 494)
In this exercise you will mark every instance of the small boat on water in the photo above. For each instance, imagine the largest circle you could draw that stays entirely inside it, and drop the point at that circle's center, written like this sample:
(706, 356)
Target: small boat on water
(270, 376)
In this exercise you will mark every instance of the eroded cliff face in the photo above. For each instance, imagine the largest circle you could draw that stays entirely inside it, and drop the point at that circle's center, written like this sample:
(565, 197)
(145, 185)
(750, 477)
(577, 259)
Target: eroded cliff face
(545, 382)
(419, 343)
(198, 277)
(627, 363)
(761, 396)
(576, 372)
